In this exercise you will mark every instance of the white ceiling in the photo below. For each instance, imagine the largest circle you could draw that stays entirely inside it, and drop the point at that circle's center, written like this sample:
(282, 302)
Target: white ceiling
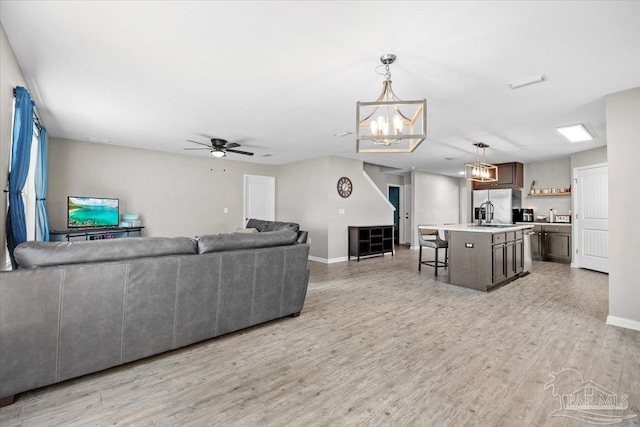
(284, 77)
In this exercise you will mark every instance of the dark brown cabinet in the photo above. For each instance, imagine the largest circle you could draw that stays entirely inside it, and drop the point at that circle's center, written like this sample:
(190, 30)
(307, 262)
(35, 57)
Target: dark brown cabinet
(481, 260)
(508, 260)
(558, 246)
(499, 270)
(510, 175)
(551, 243)
(370, 240)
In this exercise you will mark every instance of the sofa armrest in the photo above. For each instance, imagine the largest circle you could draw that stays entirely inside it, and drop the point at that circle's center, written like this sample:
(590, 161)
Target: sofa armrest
(302, 236)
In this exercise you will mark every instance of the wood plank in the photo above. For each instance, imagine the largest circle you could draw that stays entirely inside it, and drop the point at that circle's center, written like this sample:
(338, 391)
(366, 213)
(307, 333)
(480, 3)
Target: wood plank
(377, 343)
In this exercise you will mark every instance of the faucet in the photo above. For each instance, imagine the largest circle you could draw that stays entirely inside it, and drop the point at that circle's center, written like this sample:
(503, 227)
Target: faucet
(488, 212)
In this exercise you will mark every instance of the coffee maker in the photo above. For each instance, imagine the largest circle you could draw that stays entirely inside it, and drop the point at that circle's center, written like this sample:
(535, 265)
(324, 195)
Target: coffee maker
(522, 215)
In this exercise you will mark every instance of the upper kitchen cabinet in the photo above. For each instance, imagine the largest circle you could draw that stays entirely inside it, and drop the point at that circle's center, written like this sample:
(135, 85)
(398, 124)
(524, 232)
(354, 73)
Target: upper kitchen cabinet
(510, 175)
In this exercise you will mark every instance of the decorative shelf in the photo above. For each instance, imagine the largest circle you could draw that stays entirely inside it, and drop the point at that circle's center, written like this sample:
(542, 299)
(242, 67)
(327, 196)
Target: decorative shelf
(568, 193)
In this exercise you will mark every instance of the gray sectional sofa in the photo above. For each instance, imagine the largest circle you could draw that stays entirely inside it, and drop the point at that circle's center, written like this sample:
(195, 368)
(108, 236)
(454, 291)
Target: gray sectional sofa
(74, 308)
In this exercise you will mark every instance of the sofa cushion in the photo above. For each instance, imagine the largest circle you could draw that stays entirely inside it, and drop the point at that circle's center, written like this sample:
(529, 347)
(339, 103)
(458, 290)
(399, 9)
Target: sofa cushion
(237, 241)
(40, 254)
(246, 230)
(263, 225)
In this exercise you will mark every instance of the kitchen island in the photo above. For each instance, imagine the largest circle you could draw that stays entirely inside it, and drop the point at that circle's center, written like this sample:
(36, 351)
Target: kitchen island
(484, 256)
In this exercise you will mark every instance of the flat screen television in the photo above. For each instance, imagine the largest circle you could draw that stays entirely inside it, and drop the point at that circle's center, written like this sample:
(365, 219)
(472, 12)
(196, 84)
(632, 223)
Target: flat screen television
(83, 212)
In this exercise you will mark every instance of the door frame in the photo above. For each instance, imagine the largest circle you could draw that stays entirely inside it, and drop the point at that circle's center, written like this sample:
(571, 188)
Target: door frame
(407, 222)
(272, 188)
(400, 209)
(575, 203)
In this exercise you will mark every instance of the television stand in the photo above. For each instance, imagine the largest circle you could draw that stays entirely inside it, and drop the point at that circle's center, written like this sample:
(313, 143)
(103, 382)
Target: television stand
(94, 233)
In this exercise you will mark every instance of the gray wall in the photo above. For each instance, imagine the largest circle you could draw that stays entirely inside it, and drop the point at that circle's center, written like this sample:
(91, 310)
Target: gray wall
(435, 199)
(551, 174)
(307, 189)
(365, 206)
(175, 194)
(302, 195)
(10, 77)
(381, 179)
(623, 152)
(594, 156)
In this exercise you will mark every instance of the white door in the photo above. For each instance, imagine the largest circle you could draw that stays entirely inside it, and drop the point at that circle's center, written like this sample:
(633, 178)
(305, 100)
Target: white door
(406, 214)
(591, 195)
(259, 197)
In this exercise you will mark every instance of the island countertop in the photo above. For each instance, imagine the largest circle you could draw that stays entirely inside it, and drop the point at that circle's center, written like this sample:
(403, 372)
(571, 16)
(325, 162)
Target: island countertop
(491, 229)
(484, 256)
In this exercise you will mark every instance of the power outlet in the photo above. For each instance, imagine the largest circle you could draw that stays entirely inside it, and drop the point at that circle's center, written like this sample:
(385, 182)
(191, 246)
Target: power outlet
(226, 210)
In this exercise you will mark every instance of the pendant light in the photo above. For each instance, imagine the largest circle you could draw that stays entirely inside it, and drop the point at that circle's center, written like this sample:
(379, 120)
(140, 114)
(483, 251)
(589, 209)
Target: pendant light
(388, 124)
(480, 171)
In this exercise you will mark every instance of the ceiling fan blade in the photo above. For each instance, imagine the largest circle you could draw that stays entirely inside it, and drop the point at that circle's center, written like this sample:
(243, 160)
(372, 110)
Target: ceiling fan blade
(196, 142)
(232, 145)
(246, 153)
(197, 148)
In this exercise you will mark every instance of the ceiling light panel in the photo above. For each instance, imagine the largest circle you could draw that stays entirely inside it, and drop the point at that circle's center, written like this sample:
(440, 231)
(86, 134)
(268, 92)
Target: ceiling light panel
(575, 133)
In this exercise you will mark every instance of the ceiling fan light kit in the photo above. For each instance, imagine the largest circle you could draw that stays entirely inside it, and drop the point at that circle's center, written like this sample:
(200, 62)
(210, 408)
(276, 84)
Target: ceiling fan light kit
(219, 147)
(388, 124)
(480, 171)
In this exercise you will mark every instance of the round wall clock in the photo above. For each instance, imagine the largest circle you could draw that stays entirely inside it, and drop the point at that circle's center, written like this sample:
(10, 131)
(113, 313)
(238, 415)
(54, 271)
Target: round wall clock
(345, 187)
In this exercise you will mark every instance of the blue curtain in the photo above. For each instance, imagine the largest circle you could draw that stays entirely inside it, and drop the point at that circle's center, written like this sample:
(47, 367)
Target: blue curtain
(42, 219)
(20, 152)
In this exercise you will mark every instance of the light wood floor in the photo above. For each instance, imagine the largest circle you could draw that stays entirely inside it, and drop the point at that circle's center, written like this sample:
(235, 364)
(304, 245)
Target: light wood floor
(377, 344)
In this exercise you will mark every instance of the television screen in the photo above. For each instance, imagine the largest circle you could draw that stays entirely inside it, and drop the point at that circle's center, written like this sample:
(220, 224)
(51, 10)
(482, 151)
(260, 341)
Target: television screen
(92, 212)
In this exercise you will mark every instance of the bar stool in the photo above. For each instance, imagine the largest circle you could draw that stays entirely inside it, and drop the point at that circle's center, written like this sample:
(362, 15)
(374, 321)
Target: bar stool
(431, 239)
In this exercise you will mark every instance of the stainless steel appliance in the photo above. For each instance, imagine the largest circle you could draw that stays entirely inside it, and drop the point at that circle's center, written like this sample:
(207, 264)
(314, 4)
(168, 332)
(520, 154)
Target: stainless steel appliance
(522, 215)
(503, 201)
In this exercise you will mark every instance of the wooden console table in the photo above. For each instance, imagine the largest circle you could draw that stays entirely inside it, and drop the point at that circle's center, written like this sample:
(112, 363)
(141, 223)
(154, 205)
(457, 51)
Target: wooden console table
(370, 240)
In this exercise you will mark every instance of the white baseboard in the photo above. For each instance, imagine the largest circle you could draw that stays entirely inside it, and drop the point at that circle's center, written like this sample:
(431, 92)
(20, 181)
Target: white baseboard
(328, 260)
(623, 323)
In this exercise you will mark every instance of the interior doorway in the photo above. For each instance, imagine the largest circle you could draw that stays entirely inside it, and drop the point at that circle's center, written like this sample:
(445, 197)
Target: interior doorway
(591, 228)
(393, 194)
(259, 197)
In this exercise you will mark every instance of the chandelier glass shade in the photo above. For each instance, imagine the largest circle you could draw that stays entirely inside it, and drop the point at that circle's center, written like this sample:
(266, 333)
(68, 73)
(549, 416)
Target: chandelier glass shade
(388, 124)
(481, 171)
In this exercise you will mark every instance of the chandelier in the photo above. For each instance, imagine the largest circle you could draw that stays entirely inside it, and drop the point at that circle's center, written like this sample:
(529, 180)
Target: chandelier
(480, 171)
(398, 126)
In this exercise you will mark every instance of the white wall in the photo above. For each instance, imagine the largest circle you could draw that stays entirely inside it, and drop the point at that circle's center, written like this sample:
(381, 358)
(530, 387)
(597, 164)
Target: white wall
(175, 194)
(623, 152)
(435, 200)
(550, 174)
(10, 77)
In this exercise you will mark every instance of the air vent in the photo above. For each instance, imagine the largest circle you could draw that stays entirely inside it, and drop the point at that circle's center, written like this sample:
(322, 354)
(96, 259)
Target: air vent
(528, 81)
